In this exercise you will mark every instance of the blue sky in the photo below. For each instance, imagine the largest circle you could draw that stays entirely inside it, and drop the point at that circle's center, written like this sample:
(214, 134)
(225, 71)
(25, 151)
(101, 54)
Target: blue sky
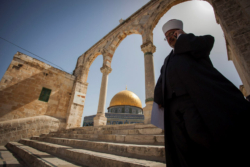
(61, 30)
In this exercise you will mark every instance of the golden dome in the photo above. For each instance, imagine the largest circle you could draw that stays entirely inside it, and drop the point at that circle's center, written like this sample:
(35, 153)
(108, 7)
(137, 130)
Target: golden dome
(125, 97)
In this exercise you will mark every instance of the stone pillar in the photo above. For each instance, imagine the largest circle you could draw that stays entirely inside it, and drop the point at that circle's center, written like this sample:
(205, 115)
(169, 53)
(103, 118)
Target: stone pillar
(234, 18)
(77, 100)
(100, 118)
(76, 104)
(239, 69)
(148, 50)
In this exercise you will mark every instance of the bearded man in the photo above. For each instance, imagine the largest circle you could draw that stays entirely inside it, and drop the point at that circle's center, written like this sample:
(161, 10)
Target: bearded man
(205, 115)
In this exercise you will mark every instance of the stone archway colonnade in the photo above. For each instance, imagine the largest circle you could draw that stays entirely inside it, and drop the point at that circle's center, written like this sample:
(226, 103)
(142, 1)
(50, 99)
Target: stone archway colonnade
(232, 15)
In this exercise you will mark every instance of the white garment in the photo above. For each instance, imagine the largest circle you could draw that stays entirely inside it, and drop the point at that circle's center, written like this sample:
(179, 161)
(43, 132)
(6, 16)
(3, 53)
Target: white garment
(157, 116)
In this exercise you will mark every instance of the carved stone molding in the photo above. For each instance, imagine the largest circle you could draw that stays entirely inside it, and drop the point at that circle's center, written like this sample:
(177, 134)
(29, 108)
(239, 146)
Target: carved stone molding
(84, 68)
(106, 70)
(104, 51)
(85, 83)
(81, 84)
(149, 99)
(148, 47)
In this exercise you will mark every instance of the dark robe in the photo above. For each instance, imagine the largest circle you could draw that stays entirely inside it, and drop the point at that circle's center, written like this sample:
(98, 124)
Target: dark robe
(221, 106)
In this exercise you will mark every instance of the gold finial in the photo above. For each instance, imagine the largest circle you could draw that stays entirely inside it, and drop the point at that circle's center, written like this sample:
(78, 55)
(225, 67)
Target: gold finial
(126, 87)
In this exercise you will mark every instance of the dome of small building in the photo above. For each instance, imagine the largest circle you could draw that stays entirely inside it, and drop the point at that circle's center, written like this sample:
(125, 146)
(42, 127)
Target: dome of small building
(125, 98)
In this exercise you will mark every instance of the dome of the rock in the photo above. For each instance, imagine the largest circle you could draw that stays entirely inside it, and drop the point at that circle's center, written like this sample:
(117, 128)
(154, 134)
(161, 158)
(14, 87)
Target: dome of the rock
(125, 108)
(125, 98)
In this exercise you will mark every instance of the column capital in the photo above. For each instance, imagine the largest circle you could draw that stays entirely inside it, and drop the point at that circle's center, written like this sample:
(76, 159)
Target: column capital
(148, 48)
(106, 69)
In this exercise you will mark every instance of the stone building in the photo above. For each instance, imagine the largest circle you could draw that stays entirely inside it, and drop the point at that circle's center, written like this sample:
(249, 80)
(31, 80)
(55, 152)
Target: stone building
(125, 108)
(31, 88)
(34, 98)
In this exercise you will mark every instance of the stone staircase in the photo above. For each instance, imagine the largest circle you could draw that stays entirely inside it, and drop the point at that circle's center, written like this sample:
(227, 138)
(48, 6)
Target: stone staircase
(132, 145)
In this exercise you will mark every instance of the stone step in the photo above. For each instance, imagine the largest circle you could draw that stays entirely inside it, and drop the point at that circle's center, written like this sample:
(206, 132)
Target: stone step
(146, 131)
(133, 139)
(109, 127)
(90, 158)
(36, 158)
(8, 159)
(149, 152)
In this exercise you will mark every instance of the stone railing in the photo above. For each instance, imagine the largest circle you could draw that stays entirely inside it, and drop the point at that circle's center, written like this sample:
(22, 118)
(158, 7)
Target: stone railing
(14, 130)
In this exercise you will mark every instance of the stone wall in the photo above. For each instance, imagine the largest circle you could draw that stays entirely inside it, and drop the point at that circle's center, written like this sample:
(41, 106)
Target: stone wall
(14, 130)
(22, 84)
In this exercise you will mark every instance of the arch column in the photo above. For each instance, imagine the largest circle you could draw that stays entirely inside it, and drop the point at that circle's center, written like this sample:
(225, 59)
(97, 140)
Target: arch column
(148, 50)
(235, 20)
(100, 118)
(77, 100)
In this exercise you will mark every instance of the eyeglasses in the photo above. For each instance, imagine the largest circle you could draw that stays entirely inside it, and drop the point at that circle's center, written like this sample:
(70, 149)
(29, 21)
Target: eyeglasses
(169, 35)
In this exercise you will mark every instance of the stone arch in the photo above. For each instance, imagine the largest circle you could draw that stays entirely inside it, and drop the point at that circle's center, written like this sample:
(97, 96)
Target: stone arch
(161, 9)
(119, 37)
(90, 58)
(83, 64)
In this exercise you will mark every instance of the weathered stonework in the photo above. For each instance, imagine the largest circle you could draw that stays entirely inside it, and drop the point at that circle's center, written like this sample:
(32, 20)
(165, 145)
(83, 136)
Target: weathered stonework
(234, 18)
(75, 111)
(22, 84)
(14, 130)
(94, 146)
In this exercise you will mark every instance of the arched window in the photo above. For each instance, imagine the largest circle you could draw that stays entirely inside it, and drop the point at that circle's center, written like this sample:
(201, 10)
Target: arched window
(126, 110)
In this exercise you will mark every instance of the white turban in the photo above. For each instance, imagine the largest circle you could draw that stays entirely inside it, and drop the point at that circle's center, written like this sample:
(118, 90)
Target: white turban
(172, 24)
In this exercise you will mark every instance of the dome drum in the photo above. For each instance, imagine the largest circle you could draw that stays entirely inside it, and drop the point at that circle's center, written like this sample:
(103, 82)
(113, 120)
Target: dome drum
(125, 109)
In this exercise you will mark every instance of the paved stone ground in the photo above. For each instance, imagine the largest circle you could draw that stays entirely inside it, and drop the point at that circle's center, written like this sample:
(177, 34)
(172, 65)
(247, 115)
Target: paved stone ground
(7, 159)
(36, 158)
